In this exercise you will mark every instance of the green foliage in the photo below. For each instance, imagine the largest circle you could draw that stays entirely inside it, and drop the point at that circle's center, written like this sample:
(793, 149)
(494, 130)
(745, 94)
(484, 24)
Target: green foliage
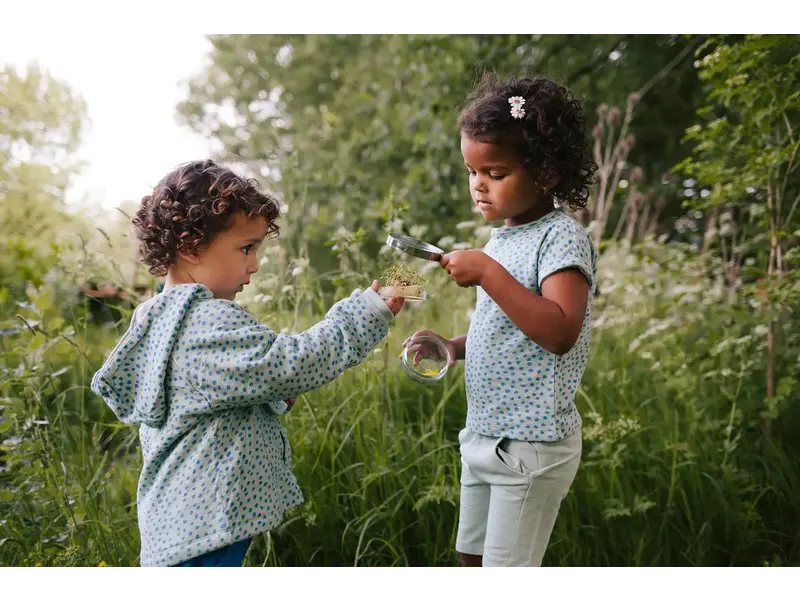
(676, 469)
(747, 142)
(348, 127)
(41, 121)
(746, 155)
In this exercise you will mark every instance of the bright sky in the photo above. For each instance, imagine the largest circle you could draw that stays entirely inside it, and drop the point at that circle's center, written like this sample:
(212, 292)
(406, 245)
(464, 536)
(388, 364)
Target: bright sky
(131, 84)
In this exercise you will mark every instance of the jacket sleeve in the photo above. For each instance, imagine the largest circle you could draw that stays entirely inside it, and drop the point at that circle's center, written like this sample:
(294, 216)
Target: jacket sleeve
(234, 361)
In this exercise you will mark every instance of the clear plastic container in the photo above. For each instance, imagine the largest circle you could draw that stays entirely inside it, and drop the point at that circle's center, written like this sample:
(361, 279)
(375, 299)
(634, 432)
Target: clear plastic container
(425, 359)
(394, 292)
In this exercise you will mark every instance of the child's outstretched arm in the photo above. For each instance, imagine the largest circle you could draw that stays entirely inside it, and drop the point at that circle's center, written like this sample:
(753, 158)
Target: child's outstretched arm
(241, 362)
(553, 319)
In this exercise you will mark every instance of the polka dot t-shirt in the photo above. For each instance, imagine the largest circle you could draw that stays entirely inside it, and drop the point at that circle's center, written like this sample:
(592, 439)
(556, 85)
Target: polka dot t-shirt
(515, 388)
(205, 382)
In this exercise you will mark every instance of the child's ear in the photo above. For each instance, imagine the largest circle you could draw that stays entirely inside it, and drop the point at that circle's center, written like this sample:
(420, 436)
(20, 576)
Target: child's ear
(191, 258)
(544, 181)
(551, 182)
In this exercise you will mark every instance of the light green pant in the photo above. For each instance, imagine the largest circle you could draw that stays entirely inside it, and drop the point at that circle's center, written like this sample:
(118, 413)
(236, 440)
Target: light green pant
(510, 495)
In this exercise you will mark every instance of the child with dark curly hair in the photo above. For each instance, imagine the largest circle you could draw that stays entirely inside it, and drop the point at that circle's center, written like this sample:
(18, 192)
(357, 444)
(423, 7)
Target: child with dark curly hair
(526, 151)
(205, 381)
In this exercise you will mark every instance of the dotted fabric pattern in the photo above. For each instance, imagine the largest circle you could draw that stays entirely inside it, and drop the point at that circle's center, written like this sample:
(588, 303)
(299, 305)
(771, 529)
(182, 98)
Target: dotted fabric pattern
(515, 388)
(205, 382)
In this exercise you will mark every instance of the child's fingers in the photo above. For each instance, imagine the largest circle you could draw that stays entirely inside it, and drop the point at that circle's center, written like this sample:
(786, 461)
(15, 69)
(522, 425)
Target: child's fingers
(396, 304)
(376, 285)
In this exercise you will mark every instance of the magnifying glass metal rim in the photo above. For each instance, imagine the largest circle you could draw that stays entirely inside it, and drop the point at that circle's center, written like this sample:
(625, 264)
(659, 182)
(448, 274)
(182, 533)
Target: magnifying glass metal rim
(414, 247)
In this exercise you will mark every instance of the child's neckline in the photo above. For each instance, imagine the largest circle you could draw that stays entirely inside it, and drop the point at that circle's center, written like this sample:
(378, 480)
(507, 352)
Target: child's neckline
(511, 230)
(178, 286)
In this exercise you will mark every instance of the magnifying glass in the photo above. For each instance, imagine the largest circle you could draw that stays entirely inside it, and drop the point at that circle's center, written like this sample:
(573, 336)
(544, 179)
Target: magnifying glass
(414, 247)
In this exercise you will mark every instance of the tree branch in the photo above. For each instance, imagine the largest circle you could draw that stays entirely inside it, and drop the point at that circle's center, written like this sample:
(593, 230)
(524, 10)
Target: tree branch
(669, 66)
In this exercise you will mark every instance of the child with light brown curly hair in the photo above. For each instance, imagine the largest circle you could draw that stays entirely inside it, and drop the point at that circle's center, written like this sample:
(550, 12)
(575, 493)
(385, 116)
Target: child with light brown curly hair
(205, 381)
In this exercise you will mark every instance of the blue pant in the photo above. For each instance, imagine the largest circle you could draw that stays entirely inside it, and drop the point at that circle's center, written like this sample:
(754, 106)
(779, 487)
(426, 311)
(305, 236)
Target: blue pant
(228, 556)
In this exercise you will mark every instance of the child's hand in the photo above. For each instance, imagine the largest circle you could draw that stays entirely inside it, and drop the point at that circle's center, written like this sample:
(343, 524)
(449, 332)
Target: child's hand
(451, 347)
(467, 267)
(290, 403)
(395, 304)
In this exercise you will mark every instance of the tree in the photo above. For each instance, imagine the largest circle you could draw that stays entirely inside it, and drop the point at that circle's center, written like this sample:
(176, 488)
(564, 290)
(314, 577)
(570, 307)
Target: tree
(41, 120)
(351, 127)
(746, 153)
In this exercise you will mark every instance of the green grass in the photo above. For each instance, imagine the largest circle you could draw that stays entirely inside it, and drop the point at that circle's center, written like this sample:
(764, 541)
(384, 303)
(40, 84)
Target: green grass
(676, 468)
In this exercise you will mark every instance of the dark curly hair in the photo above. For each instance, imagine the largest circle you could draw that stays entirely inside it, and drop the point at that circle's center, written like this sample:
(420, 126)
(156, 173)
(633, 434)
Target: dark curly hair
(191, 205)
(551, 136)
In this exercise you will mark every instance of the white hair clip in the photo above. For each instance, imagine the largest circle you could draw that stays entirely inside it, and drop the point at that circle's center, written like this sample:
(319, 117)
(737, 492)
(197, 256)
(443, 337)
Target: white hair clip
(516, 103)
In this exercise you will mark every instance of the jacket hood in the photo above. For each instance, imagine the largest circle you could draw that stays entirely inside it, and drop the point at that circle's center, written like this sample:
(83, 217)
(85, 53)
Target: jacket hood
(131, 381)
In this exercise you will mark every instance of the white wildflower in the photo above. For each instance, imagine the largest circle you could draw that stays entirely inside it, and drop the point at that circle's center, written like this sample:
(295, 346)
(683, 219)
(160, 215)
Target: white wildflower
(418, 231)
(721, 346)
(394, 226)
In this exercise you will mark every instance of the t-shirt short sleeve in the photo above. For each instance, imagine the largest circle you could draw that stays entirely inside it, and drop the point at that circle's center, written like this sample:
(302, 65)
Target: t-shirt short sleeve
(567, 246)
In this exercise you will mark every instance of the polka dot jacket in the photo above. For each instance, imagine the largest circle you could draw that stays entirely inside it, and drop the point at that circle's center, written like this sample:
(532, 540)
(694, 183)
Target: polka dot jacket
(205, 382)
(515, 388)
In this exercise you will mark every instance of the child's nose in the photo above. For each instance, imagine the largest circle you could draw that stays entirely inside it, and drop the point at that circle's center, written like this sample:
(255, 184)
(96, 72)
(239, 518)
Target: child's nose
(479, 184)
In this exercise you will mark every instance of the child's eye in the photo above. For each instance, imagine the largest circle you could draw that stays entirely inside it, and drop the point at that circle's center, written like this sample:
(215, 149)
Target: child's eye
(471, 172)
(247, 249)
(496, 177)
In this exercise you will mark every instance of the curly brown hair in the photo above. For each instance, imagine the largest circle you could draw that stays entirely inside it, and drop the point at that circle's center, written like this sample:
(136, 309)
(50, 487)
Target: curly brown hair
(192, 204)
(551, 136)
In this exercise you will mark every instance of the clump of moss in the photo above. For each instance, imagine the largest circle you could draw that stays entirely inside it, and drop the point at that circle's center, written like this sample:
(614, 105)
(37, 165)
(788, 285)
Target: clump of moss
(403, 276)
